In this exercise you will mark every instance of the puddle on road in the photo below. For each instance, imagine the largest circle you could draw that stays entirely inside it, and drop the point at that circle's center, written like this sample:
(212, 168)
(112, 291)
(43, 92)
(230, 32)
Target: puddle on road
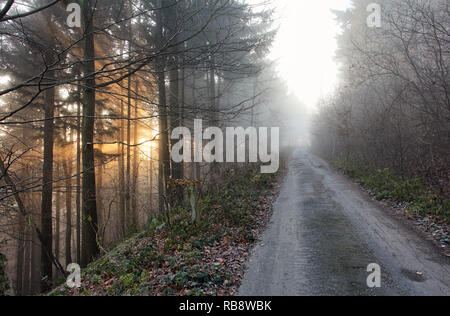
(414, 276)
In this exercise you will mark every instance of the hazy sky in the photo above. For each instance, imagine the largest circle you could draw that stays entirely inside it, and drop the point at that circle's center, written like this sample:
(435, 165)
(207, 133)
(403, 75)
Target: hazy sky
(305, 46)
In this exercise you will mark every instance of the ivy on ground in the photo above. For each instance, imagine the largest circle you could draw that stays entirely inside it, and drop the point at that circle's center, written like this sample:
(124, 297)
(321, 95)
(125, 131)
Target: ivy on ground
(185, 259)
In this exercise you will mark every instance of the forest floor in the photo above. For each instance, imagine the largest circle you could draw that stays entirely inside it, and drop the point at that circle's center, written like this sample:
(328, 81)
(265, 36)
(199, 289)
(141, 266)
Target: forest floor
(326, 232)
(207, 259)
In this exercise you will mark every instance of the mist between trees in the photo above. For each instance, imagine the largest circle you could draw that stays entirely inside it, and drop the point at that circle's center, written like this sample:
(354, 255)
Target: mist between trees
(391, 112)
(86, 116)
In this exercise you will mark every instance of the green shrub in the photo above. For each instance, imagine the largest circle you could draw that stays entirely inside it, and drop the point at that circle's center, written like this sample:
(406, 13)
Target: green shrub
(385, 184)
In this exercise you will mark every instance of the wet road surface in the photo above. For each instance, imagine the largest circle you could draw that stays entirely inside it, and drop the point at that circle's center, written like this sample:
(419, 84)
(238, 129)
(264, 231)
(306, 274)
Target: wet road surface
(325, 232)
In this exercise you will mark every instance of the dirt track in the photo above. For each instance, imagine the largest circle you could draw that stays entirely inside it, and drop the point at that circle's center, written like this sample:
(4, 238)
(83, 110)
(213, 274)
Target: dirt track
(325, 232)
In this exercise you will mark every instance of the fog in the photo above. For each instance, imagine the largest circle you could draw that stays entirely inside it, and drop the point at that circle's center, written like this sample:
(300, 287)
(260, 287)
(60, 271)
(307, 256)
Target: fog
(91, 94)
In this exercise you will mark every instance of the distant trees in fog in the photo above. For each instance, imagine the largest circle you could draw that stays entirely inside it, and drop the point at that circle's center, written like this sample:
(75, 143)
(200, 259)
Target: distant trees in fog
(392, 108)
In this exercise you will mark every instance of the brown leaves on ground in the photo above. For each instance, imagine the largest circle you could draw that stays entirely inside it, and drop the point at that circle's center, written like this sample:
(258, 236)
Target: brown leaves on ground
(185, 260)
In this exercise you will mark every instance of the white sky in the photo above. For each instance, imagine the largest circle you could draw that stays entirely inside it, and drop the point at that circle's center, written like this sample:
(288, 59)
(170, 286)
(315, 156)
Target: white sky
(305, 47)
(4, 80)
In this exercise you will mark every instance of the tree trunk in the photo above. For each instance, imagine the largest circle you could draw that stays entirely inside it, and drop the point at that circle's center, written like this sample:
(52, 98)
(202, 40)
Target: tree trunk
(100, 205)
(129, 211)
(68, 238)
(35, 262)
(47, 186)
(78, 191)
(197, 165)
(20, 255)
(27, 262)
(134, 191)
(171, 13)
(151, 180)
(89, 209)
(122, 174)
(164, 153)
(57, 223)
(214, 117)
(177, 168)
(5, 285)
(128, 174)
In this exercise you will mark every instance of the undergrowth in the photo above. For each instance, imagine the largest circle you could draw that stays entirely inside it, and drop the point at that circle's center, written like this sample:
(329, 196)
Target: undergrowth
(387, 185)
(167, 259)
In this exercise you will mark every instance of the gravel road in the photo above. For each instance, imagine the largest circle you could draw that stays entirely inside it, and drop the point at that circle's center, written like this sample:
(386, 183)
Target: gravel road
(324, 233)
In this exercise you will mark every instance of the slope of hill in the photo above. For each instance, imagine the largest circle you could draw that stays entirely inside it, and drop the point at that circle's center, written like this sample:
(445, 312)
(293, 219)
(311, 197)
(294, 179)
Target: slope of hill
(184, 259)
